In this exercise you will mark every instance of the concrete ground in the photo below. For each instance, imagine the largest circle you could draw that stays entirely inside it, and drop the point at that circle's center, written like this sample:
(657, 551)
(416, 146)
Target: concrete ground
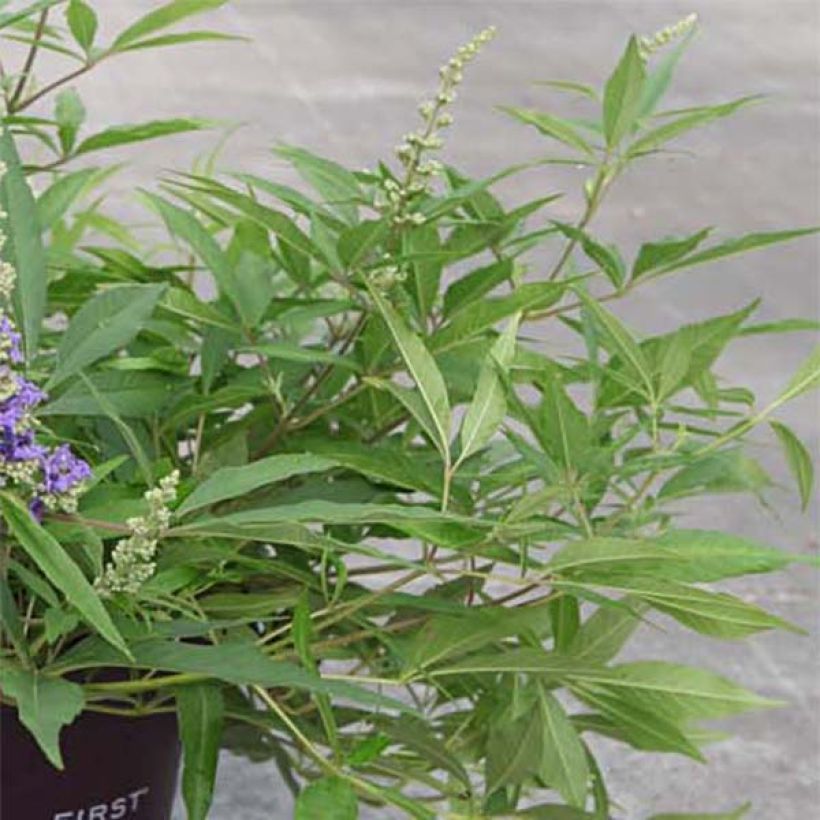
(343, 77)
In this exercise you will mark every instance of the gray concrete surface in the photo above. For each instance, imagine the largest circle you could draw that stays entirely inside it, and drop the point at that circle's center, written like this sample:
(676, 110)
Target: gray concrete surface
(343, 77)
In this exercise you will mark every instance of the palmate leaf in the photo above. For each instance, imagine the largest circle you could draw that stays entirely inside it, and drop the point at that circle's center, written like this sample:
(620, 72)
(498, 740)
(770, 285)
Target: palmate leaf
(44, 704)
(60, 570)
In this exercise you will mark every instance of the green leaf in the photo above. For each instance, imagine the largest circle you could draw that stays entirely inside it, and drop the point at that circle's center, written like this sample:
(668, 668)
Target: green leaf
(622, 342)
(798, 458)
(449, 636)
(565, 616)
(679, 693)
(563, 764)
(485, 314)
(489, 406)
(655, 255)
(69, 112)
(23, 249)
(12, 625)
(469, 289)
(53, 203)
(239, 663)
(231, 482)
(654, 138)
(739, 812)
(329, 798)
(10, 18)
(131, 395)
(357, 243)
(706, 555)
(200, 710)
(82, 23)
(424, 372)
(103, 325)
(623, 93)
(182, 39)
(56, 565)
(749, 242)
(162, 18)
(424, 247)
(514, 748)
(419, 738)
(296, 353)
(127, 134)
(602, 636)
(189, 229)
(642, 729)
(336, 184)
(806, 378)
(657, 81)
(605, 258)
(550, 126)
(570, 86)
(782, 326)
(44, 705)
(726, 471)
(716, 614)
(563, 430)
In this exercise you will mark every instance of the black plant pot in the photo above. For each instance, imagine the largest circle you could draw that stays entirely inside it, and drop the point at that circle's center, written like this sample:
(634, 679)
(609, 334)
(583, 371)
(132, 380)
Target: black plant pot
(116, 768)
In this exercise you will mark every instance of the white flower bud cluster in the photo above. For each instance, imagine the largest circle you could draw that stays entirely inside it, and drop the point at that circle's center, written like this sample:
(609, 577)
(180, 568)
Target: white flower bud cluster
(132, 561)
(649, 45)
(419, 170)
(386, 277)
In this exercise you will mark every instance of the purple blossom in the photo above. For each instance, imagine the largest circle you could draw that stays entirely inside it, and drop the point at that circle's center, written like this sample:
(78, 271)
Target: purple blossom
(11, 338)
(37, 508)
(62, 470)
(25, 397)
(20, 446)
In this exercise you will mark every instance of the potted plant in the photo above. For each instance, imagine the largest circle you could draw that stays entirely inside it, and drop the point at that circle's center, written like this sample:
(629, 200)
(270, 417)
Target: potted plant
(341, 509)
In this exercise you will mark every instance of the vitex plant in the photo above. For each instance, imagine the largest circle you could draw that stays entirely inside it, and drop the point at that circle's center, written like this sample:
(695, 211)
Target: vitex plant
(408, 544)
